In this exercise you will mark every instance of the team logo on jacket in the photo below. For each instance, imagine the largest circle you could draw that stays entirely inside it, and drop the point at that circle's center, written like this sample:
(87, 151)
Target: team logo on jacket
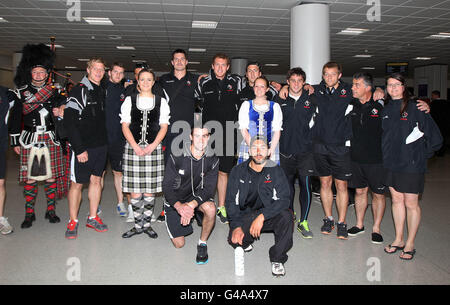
(307, 104)
(374, 113)
(229, 88)
(404, 116)
(188, 83)
(122, 97)
(267, 178)
(343, 93)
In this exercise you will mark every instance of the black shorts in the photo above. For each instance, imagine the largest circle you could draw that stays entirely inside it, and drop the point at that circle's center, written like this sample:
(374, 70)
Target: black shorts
(2, 163)
(173, 220)
(368, 175)
(227, 163)
(412, 183)
(333, 161)
(81, 172)
(115, 156)
(301, 163)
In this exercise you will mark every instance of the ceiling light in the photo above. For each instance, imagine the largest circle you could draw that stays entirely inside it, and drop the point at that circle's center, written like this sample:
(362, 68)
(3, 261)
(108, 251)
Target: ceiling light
(70, 67)
(271, 65)
(3, 19)
(363, 56)
(197, 50)
(98, 21)
(114, 37)
(138, 60)
(204, 24)
(83, 59)
(56, 46)
(368, 68)
(191, 70)
(440, 35)
(352, 31)
(422, 58)
(194, 62)
(125, 48)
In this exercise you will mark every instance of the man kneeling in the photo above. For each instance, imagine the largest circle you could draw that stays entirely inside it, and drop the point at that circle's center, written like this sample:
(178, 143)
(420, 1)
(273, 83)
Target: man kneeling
(189, 186)
(257, 201)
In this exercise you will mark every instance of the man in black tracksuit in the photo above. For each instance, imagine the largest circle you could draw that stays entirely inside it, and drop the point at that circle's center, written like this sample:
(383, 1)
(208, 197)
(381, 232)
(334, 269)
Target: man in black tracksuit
(189, 187)
(258, 201)
(296, 156)
(220, 93)
(253, 71)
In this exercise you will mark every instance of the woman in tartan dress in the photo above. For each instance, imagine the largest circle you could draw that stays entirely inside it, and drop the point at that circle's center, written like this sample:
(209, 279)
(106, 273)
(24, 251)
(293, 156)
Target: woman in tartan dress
(145, 120)
(260, 117)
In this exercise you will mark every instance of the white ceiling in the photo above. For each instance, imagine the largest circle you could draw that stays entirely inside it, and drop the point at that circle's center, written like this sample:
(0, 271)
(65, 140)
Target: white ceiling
(254, 29)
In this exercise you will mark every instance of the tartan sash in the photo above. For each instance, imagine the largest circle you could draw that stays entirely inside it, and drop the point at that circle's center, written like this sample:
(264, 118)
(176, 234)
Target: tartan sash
(37, 99)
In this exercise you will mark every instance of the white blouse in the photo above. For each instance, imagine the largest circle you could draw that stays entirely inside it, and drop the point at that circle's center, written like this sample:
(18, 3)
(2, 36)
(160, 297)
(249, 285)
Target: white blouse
(145, 103)
(244, 119)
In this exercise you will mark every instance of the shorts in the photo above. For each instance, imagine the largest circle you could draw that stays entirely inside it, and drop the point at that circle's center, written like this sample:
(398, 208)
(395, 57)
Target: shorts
(411, 183)
(301, 163)
(115, 156)
(368, 175)
(2, 163)
(81, 172)
(333, 161)
(173, 220)
(226, 163)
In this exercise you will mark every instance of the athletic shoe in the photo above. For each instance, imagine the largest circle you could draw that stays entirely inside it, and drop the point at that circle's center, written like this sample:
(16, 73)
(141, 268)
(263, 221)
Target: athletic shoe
(130, 217)
(355, 231)
(5, 227)
(161, 217)
(303, 228)
(222, 214)
(249, 248)
(121, 210)
(377, 238)
(278, 269)
(328, 226)
(97, 224)
(52, 217)
(72, 230)
(342, 231)
(202, 254)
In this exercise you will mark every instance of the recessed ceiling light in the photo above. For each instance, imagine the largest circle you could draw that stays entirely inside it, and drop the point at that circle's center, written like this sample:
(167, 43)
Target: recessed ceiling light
(138, 60)
(440, 35)
(423, 58)
(125, 48)
(3, 19)
(204, 24)
(83, 59)
(98, 21)
(352, 31)
(197, 50)
(367, 68)
(363, 56)
(194, 62)
(56, 46)
(70, 67)
(271, 65)
(114, 37)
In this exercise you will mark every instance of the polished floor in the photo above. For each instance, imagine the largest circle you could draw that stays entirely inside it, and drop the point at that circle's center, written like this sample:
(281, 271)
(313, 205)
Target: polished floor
(41, 254)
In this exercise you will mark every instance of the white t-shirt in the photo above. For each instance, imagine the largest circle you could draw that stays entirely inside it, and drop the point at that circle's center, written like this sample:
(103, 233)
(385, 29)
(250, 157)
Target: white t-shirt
(145, 103)
(244, 119)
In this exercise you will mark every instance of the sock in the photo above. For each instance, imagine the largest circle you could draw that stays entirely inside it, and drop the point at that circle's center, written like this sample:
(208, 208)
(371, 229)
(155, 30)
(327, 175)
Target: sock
(50, 191)
(330, 218)
(149, 203)
(30, 192)
(201, 242)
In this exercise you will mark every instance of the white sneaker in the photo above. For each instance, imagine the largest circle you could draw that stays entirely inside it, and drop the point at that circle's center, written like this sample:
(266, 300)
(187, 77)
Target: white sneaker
(130, 217)
(121, 210)
(5, 227)
(278, 269)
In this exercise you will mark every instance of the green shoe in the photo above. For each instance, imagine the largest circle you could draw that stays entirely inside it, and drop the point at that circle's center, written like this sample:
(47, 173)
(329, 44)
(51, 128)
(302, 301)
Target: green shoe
(222, 214)
(303, 228)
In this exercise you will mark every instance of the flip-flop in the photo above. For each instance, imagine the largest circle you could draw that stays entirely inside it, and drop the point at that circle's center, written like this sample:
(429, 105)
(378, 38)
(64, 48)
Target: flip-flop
(408, 253)
(397, 248)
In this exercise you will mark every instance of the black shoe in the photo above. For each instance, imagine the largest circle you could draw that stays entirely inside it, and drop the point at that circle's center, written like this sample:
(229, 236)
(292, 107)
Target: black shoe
(131, 233)
(202, 254)
(28, 222)
(355, 231)
(52, 217)
(151, 233)
(342, 231)
(377, 238)
(328, 226)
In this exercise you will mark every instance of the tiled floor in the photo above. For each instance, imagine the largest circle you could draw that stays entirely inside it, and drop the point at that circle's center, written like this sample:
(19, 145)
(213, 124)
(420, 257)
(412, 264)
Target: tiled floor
(41, 254)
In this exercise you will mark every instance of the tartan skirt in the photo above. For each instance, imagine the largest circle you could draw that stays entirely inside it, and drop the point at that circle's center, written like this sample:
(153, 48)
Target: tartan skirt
(57, 160)
(142, 174)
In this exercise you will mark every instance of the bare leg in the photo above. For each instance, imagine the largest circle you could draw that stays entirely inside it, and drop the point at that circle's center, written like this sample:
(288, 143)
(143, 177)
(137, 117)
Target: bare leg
(326, 195)
(341, 199)
(209, 219)
(378, 207)
(222, 182)
(94, 194)
(360, 205)
(74, 198)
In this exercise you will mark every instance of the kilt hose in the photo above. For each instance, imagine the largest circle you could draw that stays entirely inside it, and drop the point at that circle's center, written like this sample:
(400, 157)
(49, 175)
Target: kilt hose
(142, 174)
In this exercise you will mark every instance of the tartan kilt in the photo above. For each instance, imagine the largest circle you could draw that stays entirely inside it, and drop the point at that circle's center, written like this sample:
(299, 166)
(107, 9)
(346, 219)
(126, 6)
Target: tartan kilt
(244, 154)
(57, 160)
(142, 174)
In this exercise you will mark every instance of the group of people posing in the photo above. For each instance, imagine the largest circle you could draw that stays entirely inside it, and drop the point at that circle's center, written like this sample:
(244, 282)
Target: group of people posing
(172, 136)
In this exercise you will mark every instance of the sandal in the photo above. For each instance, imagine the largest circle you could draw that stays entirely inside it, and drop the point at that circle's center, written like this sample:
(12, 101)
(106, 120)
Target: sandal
(408, 253)
(397, 248)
